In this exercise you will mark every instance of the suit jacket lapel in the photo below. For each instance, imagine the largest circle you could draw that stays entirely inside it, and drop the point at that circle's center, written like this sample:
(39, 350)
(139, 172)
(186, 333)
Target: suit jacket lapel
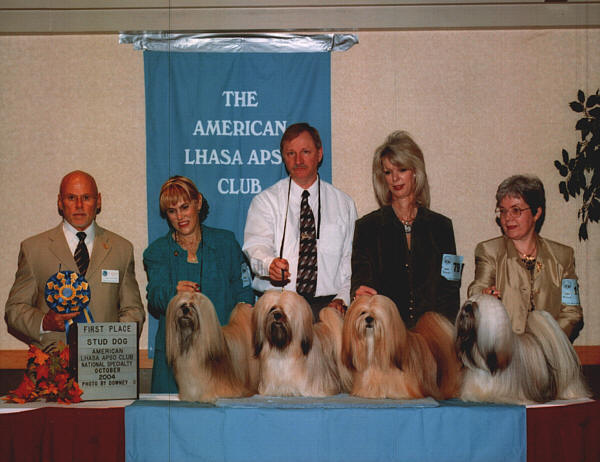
(516, 275)
(101, 249)
(59, 247)
(546, 269)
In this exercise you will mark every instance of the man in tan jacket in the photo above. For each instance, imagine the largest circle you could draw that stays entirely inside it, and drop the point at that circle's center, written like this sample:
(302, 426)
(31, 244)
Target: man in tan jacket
(107, 260)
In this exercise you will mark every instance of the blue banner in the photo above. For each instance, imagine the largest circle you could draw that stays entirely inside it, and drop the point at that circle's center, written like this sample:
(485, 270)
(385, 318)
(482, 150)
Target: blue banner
(217, 118)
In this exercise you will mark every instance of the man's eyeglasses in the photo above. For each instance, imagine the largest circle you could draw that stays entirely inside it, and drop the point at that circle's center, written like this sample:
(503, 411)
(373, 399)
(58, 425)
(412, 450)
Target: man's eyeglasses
(512, 212)
(75, 198)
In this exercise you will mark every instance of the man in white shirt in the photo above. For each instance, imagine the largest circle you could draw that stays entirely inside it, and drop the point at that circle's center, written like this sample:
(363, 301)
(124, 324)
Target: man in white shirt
(272, 237)
(77, 244)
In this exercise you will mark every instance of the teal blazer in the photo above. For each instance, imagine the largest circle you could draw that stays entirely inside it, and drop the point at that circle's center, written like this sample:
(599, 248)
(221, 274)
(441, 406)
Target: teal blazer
(223, 276)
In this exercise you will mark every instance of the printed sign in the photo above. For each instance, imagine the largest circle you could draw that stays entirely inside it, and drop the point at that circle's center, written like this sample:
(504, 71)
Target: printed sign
(104, 357)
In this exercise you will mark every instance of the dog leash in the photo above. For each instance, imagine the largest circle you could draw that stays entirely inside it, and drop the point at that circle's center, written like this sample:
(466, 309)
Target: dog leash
(287, 207)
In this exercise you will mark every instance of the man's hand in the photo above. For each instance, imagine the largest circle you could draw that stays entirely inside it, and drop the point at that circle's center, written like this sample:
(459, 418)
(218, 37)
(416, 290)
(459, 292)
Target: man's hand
(339, 305)
(56, 322)
(365, 290)
(279, 273)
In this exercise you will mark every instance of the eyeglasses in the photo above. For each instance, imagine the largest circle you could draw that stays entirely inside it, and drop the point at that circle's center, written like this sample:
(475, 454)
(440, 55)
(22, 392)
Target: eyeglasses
(75, 198)
(512, 212)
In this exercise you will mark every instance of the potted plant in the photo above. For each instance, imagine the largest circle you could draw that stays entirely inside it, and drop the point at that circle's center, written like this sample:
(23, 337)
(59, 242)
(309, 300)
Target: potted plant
(581, 172)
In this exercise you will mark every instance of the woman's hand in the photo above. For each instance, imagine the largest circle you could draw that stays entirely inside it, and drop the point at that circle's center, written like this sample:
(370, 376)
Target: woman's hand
(188, 286)
(492, 291)
(365, 290)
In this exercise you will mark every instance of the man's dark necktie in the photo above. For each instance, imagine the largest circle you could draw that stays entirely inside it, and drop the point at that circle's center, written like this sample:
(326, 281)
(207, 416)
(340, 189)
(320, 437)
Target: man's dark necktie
(82, 257)
(306, 281)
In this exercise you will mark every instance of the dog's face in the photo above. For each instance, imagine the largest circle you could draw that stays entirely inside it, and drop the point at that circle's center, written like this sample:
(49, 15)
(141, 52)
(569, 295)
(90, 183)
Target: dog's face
(484, 337)
(191, 317)
(277, 329)
(186, 320)
(466, 330)
(282, 319)
(372, 328)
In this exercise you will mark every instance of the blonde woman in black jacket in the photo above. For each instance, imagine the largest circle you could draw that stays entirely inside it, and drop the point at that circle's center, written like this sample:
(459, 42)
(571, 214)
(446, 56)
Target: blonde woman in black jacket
(398, 249)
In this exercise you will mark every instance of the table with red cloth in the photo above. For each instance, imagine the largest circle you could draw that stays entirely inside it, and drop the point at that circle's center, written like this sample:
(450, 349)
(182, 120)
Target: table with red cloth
(564, 433)
(91, 431)
(96, 431)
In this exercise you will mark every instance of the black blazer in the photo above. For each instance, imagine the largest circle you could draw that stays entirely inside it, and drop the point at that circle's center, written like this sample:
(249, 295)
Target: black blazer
(411, 278)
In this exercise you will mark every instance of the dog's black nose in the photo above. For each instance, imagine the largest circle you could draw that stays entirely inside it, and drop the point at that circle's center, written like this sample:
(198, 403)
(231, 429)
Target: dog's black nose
(369, 319)
(185, 310)
(277, 316)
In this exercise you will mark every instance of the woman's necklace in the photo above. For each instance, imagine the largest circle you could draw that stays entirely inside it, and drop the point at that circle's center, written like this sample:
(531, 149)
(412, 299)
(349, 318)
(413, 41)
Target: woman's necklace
(529, 261)
(528, 258)
(190, 244)
(407, 225)
(407, 222)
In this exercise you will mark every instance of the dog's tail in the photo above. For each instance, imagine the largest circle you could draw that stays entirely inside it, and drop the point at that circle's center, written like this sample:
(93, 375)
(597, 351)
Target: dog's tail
(439, 334)
(334, 321)
(240, 341)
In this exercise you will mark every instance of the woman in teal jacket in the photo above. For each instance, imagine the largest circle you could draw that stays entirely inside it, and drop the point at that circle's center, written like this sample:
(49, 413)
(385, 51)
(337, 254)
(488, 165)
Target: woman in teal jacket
(191, 257)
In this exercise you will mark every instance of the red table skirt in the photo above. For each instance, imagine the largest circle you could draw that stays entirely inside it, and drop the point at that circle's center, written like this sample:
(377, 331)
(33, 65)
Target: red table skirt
(63, 434)
(564, 433)
(77, 434)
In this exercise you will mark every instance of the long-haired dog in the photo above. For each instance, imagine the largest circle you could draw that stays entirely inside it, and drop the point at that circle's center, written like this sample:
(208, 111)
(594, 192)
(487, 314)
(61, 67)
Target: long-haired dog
(389, 361)
(210, 361)
(297, 357)
(501, 366)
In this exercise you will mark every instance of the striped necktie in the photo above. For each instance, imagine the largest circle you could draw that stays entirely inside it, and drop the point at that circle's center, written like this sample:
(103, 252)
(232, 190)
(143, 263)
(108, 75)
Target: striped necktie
(306, 281)
(82, 257)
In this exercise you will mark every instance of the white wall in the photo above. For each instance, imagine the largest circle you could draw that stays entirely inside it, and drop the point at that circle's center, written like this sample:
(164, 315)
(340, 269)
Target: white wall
(482, 105)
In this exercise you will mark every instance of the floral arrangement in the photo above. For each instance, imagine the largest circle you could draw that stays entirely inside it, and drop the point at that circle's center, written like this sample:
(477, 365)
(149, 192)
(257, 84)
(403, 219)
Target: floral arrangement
(47, 377)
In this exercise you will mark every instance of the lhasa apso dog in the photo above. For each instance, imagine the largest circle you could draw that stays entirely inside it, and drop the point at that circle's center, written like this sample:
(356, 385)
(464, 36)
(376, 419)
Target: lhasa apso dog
(389, 361)
(297, 357)
(210, 361)
(501, 366)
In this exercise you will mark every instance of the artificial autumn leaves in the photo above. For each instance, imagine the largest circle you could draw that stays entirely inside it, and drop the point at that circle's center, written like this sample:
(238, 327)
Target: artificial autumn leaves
(47, 377)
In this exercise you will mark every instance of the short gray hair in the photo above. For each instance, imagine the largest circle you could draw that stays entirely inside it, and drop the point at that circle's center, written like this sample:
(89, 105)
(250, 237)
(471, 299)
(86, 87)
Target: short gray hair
(528, 187)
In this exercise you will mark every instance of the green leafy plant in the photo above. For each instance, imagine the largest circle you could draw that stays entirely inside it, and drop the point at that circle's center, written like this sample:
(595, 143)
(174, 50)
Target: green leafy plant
(581, 172)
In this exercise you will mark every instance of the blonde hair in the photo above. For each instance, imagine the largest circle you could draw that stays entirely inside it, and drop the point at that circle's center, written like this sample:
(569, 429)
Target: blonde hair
(400, 149)
(179, 188)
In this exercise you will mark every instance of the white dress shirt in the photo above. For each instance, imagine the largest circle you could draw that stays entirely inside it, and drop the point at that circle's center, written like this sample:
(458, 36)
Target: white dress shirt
(72, 239)
(264, 232)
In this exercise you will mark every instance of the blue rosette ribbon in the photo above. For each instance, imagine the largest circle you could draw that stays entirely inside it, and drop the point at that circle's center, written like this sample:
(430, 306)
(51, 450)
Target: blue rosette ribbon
(69, 292)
